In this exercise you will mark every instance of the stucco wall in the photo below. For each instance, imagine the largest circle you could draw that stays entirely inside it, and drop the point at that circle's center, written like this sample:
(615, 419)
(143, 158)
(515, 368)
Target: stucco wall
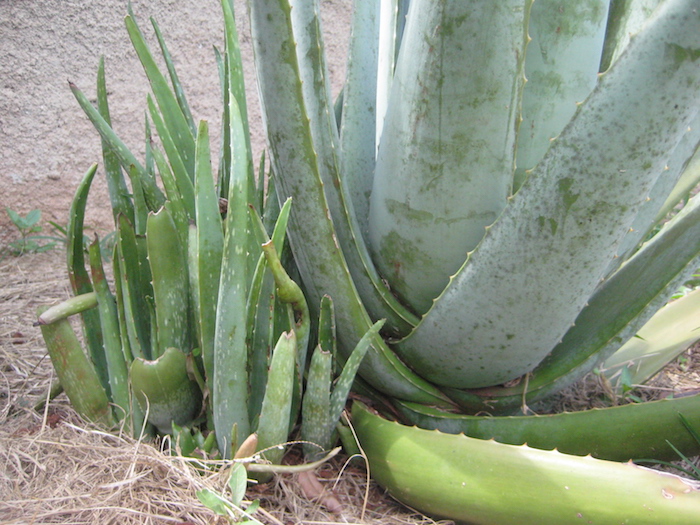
(46, 143)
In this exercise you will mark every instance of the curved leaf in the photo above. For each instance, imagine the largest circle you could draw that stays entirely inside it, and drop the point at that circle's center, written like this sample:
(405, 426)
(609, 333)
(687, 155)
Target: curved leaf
(485, 482)
(641, 430)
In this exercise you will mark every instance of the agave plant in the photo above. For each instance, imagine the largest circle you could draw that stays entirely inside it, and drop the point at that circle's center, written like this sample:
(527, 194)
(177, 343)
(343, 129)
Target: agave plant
(493, 181)
(203, 332)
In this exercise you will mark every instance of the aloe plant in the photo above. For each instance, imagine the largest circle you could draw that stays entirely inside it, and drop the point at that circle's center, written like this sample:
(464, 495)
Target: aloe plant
(493, 181)
(202, 330)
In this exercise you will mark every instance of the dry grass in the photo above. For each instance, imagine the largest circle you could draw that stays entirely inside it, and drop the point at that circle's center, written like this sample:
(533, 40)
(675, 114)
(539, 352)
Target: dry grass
(56, 468)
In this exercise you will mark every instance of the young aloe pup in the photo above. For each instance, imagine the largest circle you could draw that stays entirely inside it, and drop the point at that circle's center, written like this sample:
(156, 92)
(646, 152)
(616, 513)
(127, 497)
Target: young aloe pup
(202, 334)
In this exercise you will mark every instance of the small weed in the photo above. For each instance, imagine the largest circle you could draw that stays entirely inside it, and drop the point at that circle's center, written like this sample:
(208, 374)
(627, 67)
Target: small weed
(231, 507)
(690, 285)
(628, 387)
(688, 468)
(29, 241)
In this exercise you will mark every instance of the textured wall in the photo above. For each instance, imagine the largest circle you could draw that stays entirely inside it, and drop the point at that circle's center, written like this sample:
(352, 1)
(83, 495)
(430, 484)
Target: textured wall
(46, 143)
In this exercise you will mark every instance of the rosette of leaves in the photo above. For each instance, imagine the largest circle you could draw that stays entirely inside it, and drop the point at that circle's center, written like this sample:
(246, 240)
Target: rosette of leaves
(203, 333)
(493, 181)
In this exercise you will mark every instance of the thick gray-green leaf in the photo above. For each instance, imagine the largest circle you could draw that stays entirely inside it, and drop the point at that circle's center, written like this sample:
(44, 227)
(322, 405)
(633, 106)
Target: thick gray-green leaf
(626, 19)
(358, 129)
(315, 90)
(681, 191)
(561, 66)
(535, 270)
(446, 155)
(621, 306)
(312, 233)
(657, 204)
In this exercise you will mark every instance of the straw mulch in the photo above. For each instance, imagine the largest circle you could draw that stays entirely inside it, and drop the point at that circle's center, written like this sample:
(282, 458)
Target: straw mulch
(56, 468)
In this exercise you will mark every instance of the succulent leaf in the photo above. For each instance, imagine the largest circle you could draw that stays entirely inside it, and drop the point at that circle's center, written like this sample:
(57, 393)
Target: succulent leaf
(522, 289)
(481, 482)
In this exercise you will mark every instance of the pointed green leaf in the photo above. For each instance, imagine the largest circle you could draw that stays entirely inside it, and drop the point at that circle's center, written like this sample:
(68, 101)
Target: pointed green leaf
(118, 191)
(173, 117)
(230, 379)
(167, 259)
(210, 240)
(109, 320)
(79, 277)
